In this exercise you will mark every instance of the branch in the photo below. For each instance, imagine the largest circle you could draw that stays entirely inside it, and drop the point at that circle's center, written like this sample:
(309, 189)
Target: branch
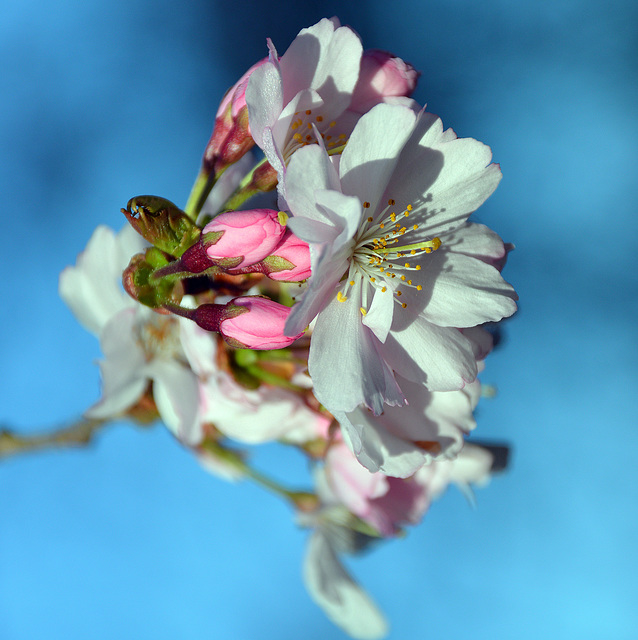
(79, 434)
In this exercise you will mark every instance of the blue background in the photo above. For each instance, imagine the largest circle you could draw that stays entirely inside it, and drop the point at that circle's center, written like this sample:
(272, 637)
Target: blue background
(130, 538)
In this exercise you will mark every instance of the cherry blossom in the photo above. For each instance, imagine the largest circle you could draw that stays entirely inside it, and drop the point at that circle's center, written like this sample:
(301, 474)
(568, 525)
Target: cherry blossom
(318, 90)
(138, 344)
(396, 267)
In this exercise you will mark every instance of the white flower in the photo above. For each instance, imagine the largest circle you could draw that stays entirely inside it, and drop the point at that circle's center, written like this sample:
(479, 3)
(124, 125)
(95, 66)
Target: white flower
(310, 86)
(138, 344)
(396, 268)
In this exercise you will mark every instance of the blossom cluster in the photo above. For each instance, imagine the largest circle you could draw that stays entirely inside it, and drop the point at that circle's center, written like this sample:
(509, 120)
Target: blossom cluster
(330, 294)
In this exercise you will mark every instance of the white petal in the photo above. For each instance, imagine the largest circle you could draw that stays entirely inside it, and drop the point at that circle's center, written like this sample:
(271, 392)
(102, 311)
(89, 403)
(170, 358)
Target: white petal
(176, 393)
(344, 363)
(325, 59)
(264, 98)
(93, 287)
(444, 178)
(475, 240)
(373, 151)
(124, 373)
(376, 448)
(440, 358)
(309, 170)
(326, 273)
(379, 315)
(461, 291)
(341, 598)
(200, 347)
(256, 416)
(343, 211)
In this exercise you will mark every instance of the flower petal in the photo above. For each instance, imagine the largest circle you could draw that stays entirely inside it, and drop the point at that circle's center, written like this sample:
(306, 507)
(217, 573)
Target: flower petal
(309, 171)
(264, 98)
(326, 59)
(460, 291)
(379, 316)
(376, 448)
(373, 150)
(124, 372)
(444, 178)
(327, 271)
(92, 288)
(340, 343)
(440, 358)
(341, 598)
(176, 393)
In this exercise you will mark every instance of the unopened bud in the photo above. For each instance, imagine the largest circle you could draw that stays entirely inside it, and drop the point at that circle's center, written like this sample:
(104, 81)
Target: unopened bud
(231, 137)
(139, 284)
(382, 76)
(289, 261)
(161, 223)
(264, 178)
(259, 326)
(238, 239)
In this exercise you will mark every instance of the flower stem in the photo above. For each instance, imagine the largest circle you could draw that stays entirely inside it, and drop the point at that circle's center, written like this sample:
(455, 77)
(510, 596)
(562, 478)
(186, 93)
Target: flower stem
(302, 500)
(202, 187)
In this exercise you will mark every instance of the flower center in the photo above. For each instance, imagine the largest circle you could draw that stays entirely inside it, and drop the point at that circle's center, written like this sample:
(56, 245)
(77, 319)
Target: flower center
(381, 256)
(158, 337)
(305, 127)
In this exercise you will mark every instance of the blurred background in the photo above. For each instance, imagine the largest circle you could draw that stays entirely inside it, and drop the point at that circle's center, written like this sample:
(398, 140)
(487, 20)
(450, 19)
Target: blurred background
(131, 538)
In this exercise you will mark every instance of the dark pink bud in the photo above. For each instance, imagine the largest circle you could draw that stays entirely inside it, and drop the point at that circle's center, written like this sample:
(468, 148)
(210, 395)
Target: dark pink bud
(261, 326)
(381, 76)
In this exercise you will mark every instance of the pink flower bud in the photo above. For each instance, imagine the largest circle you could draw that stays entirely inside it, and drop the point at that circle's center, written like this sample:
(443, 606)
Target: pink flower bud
(381, 76)
(237, 239)
(261, 327)
(231, 137)
(235, 97)
(290, 261)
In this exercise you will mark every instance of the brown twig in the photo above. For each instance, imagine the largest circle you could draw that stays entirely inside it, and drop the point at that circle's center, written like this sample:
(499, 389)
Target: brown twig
(77, 435)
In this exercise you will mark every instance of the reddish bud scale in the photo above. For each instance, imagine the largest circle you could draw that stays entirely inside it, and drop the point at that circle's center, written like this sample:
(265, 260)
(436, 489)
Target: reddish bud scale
(210, 316)
(195, 259)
